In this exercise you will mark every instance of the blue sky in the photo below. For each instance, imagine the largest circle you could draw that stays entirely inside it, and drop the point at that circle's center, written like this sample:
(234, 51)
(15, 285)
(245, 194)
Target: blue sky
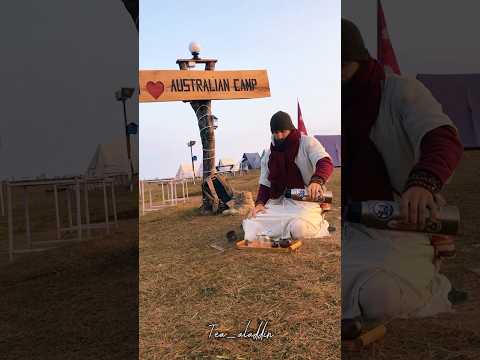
(297, 42)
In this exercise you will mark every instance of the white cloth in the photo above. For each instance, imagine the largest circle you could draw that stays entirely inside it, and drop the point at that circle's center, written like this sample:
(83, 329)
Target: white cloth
(287, 218)
(406, 258)
(370, 257)
(407, 112)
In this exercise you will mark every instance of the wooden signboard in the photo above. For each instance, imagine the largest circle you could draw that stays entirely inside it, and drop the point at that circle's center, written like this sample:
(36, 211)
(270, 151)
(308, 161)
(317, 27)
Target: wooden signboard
(184, 85)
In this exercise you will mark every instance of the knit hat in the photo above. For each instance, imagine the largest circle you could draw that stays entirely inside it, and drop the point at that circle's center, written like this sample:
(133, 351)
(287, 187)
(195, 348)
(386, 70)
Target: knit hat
(281, 121)
(353, 47)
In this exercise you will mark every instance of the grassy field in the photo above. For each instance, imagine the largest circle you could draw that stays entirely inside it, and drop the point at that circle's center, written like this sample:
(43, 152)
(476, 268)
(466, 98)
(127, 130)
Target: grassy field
(81, 301)
(447, 336)
(185, 285)
(74, 302)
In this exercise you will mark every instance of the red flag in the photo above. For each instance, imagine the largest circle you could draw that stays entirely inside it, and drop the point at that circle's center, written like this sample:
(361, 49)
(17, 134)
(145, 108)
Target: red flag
(301, 125)
(385, 53)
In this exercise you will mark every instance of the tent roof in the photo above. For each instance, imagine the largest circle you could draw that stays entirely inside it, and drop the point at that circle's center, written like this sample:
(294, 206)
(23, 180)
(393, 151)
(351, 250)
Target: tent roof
(253, 160)
(459, 95)
(333, 146)
(111, 159)
(185, 171)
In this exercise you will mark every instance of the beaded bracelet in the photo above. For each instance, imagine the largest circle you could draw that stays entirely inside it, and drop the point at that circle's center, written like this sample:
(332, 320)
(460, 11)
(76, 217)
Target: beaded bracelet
(424, 179)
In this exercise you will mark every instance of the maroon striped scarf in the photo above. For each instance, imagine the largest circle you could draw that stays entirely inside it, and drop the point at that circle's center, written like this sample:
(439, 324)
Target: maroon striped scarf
(283, 172)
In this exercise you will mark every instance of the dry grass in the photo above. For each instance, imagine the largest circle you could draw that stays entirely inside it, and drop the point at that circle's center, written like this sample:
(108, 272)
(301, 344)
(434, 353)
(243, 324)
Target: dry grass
(186, 285)
(75, 302)
(448, 336)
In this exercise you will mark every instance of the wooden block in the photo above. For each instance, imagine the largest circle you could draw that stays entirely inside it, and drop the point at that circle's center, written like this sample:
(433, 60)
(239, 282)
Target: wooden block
(181, 85)
(259, 246)
(365, 338)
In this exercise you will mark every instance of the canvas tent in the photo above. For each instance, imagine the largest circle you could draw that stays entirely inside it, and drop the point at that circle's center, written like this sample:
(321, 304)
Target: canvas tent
(112, 159)
(185, 171)
(250, 161)
(459, 96)
(333, 146)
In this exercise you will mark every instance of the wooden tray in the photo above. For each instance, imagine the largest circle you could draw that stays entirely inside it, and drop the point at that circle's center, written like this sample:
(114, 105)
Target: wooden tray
(254, 245)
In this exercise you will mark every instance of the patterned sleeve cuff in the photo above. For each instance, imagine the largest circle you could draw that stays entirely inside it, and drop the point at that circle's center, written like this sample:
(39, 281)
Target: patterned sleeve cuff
(318, 180)
(424, 179)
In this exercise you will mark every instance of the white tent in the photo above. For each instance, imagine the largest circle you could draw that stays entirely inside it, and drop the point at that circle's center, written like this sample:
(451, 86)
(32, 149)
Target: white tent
(228, 164)
(111, 159)
(185, 171)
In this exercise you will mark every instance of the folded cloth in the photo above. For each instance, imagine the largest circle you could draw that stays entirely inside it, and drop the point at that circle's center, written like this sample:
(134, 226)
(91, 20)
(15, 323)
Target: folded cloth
(287, 218)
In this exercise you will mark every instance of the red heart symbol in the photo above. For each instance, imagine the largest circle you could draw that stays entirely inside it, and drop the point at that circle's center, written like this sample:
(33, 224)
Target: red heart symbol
(155, 88)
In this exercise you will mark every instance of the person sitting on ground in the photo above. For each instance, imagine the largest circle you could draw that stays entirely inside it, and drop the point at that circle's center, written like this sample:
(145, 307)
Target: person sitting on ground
(397, 145)
(293, 161)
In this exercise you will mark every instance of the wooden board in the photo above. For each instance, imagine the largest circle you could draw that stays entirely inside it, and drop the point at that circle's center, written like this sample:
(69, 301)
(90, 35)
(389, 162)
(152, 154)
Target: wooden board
(184, 85)
(258, 246)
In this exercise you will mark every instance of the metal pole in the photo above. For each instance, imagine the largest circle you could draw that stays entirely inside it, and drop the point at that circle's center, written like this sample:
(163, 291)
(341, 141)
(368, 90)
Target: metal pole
(163, 195)
(150, 195)
(10, 222)
(1, 198)
(105, 203)
(69, 205)
(87, 211)
(143, 196)
(193, 163)
(27, 218)
(128, 144)
(57, 213)
(114, 201)
(176, 196)
(79, 209)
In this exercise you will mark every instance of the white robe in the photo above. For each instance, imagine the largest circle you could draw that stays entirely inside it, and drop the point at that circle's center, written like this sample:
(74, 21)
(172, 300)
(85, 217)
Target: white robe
(287, 217)
(375, 259)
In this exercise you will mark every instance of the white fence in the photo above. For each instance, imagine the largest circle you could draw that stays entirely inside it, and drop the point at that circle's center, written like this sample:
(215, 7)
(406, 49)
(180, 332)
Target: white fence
(68, 187)
(168, 190)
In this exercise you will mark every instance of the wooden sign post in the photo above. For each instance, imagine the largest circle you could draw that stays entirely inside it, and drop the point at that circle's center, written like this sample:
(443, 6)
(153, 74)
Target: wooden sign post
(175, 85)
(200, 88)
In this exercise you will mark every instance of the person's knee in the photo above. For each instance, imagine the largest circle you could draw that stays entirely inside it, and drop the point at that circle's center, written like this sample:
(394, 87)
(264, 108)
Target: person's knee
(301, 229)
(380, 298)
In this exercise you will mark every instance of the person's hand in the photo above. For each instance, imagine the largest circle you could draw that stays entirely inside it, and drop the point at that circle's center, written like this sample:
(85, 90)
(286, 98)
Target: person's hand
(415, 203)
(315, 191)
(258, 209)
